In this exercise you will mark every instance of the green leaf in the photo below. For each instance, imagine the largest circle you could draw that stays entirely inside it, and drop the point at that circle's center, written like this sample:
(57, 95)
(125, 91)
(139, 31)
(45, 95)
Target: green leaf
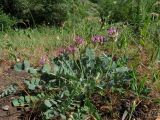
(35, 81)
(54, 102)
(63, 117)
(34, 98)
(21, 98)
(46, 68)
(15, 102)
(48, 103)
(48, 114)
(11, 89)
(42, 95)
(18, 67)
(90, 53)
(26, 65)
(122, 69)
(32, 70)
(27, 99)
(92, 109)
(56, 69)
(31, 86)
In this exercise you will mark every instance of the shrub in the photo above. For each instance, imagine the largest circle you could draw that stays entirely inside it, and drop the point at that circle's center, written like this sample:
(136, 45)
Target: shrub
(48, 12)
(6, 22)
(136, 13)
(36, 11)
(81, 9)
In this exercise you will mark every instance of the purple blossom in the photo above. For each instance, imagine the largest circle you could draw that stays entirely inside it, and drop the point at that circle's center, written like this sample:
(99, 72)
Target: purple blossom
(71, 49)
(98, 39)
(112, 32)
(43, 60)
(68, 50)
(79, 40)
(60, 51)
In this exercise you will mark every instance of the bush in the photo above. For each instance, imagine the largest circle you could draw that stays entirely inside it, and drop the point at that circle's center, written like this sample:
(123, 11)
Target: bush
(48, 12)
(81, 9)
(129, 11)
(6, 22)
(36, 11)
(115, 11)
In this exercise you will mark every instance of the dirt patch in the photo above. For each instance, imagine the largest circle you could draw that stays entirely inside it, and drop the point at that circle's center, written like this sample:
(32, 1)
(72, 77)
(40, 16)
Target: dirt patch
(113, 106)
(7, 78)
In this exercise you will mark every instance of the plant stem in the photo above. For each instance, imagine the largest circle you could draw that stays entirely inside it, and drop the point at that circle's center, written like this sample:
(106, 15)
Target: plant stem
(113, 48)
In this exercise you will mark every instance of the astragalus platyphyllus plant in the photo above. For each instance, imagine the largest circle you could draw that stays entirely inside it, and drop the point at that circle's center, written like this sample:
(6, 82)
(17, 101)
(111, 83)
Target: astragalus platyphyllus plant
(60, 87)
(98, 39)
(113, 33)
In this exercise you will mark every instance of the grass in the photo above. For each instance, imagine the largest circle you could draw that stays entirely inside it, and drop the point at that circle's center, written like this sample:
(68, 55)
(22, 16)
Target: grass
(31, 43)
(34, 43)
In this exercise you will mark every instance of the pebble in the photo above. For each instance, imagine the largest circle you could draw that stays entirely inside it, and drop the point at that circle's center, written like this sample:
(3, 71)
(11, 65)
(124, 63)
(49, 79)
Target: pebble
(5, 107)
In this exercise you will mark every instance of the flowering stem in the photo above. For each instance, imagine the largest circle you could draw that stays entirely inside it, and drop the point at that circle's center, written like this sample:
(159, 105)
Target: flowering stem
(113, 48)
(96, 46)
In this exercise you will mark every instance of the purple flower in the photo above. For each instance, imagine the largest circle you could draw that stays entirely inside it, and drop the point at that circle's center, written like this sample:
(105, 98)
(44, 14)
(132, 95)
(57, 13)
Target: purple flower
(112, 32)
(79, 40)
(71, 49)
(98, 39)
(68, 50)
(43, 60)
(59, 51)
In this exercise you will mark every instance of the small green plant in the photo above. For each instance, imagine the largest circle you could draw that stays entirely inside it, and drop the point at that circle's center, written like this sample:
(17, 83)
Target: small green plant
(24, 66)
(133, 108)
(11, 89)
(138, 87)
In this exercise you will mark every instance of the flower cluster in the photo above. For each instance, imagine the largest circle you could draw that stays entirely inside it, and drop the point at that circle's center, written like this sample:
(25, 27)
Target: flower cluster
(98, 39)
(78, 40)
(113, 33)
(43, 60)
(60, 51)
(70, 49)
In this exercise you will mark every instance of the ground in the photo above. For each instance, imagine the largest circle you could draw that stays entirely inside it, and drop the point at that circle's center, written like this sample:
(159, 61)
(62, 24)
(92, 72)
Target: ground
(8, 77)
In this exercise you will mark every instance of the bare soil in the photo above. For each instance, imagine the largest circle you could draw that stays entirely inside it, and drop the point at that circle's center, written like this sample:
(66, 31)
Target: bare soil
(8, 77)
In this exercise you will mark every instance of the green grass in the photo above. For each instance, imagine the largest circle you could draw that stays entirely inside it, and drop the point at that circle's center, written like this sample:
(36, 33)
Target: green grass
(36, 41)
(44, 40)
(33, 38)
